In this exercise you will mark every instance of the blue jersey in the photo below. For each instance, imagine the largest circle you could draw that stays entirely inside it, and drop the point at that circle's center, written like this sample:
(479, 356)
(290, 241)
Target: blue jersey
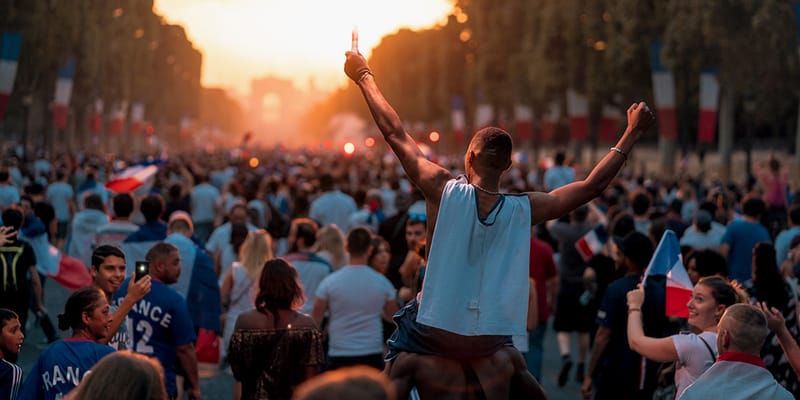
(61, 367)
(10, 380)
(159, 323)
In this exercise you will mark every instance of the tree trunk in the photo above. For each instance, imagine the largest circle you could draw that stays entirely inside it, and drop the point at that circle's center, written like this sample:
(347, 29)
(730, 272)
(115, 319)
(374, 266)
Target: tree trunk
(726, 123)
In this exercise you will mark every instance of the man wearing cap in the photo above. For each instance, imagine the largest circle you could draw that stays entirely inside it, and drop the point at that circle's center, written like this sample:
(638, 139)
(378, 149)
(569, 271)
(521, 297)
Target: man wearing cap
(614, 368)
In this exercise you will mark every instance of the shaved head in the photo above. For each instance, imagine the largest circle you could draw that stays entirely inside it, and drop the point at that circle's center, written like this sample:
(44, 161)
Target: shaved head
(745, 328)
(492, 148)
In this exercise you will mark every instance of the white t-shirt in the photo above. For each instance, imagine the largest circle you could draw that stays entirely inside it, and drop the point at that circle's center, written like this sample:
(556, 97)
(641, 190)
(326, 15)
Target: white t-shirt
(694, 357)
(476, 282)
(356, 295)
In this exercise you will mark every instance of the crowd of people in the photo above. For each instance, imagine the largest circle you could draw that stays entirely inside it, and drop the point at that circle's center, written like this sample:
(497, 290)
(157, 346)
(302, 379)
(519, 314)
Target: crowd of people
(313, 270)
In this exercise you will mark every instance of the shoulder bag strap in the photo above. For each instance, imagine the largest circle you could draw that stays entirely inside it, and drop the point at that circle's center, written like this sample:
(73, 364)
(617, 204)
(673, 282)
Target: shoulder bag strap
(710, 351)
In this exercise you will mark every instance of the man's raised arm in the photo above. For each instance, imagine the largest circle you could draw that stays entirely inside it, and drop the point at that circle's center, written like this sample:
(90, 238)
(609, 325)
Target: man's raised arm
(546, 206)
(426, 175)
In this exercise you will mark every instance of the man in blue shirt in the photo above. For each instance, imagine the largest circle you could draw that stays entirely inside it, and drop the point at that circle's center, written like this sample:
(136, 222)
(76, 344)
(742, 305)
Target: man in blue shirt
(615, 370)
(160, 322)
(741, 236)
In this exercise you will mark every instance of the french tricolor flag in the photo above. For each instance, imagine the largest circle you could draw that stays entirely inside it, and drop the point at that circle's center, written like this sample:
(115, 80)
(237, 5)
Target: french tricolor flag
(10, 43)
(523, 116)
(578, 110)
(118, 118)
(709, 104)
(132, 178)
(550, 122)
(609, 123)
(63, 93)
(458, 120)
(667, 261)
(663, 93)
(591, 243)
(69, 272)
(137, 117)
(96, 119)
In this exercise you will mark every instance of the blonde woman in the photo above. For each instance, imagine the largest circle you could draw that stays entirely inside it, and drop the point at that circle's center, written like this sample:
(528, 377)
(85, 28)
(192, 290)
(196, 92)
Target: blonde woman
(330, 246)
(238, 290)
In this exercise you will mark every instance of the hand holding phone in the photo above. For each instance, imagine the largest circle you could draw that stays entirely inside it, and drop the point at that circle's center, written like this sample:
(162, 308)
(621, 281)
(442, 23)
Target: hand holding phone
(142, 270)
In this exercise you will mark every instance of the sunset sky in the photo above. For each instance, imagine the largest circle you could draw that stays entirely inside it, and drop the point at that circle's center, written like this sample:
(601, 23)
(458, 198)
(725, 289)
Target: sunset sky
(295, 39)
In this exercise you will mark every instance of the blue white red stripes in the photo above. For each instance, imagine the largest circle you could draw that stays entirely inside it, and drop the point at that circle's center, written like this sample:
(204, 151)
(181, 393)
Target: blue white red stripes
(63, 93)
(10, 44)
(667, 261)
(578, 111)
(663, 93)
(709, 105)
(591, 243)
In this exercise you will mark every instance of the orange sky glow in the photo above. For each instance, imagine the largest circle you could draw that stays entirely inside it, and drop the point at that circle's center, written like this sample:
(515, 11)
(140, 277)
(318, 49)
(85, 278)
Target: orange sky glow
(294, 39)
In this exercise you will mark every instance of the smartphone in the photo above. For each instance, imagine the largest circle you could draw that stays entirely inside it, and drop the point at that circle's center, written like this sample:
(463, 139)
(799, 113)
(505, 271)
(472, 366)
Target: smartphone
(142, 269)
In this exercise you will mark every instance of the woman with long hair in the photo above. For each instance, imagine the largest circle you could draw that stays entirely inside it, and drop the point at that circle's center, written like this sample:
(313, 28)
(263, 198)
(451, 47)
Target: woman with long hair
(123, 376)
(769, 286)
(274, 348)
(87, 314)
(694, 352)
(330, 246)
(239, 290)
(381, 255)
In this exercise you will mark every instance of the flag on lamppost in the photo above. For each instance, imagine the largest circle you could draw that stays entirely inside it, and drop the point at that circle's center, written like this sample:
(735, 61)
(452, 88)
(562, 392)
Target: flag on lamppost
(96, 119)
(550, 122)
(578, 111)
(63, 93)
(458, 119)
(609, 123)
(10, 43)
(523, 116)
(663, 93)
(709, 105)
(118, 114)
(137, 117)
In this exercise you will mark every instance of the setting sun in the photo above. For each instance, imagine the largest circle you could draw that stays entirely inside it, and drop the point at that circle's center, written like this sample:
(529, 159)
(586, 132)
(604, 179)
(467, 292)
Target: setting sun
(299, 40)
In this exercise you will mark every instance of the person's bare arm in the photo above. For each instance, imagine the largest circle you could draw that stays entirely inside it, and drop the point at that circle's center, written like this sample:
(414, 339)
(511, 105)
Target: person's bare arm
(724, 249)
(656, 349)
(601, 339)
(188, 359)
(777, 324)
(429, 177)
(389, 309)
(318, 312)
(546, 206)
(528, 386)
(136, 291)
(533, 306)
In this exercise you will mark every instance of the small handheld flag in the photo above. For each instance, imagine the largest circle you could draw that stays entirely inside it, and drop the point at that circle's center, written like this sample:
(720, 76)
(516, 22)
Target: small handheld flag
(591, 243)
(667, 261)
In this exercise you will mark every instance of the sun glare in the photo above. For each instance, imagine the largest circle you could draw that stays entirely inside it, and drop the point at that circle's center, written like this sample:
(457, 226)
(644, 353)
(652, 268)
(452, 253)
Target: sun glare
(300, 39)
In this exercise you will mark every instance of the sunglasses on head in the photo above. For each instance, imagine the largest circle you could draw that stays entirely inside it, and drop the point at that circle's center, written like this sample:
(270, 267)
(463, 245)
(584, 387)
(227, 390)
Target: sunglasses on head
(417, 217)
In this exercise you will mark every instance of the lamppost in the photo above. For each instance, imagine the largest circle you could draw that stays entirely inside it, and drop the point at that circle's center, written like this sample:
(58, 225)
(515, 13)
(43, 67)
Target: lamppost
(749, 108)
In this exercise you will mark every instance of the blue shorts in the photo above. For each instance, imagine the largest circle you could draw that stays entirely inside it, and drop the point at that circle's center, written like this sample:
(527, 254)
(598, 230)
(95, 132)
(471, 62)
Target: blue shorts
(412, 337)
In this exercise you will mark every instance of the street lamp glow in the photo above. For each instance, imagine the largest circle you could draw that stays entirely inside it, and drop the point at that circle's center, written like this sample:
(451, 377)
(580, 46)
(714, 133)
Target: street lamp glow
(369, 142)
(349, 148)
(434, 136)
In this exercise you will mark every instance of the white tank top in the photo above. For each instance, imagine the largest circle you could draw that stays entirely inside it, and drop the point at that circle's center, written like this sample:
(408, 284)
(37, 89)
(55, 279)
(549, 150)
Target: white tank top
(476, 281)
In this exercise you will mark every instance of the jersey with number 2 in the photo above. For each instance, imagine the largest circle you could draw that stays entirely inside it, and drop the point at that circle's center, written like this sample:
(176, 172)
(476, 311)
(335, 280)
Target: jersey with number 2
(159, 323)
